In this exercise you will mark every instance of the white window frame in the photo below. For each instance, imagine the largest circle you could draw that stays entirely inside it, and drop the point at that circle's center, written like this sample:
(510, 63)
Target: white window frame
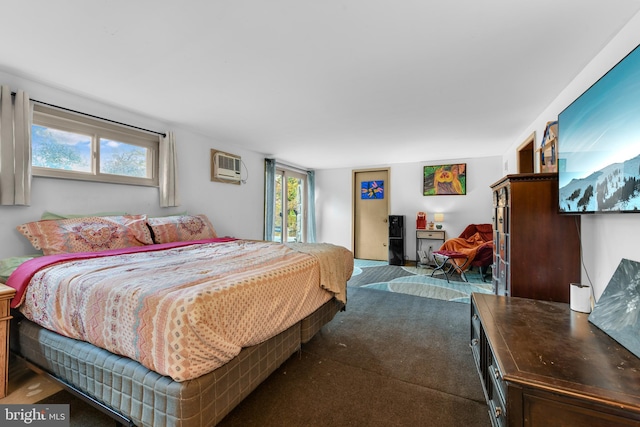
(98, 129)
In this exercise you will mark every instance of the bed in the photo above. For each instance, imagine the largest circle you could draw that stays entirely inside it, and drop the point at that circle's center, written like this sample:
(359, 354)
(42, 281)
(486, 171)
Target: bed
(476, 243)
(168, 324)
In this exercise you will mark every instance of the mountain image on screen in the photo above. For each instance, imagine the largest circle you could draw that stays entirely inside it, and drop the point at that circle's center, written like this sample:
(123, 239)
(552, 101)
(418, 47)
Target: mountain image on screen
(599, 144)
(613, 188)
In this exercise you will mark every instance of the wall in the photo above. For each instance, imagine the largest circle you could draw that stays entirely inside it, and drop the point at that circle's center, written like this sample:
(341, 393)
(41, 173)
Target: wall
(235, 210)
(606, 239)
(334, 199)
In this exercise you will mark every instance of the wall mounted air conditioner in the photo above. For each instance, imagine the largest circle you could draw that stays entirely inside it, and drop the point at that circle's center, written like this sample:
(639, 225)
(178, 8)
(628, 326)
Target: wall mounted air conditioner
(226, 167)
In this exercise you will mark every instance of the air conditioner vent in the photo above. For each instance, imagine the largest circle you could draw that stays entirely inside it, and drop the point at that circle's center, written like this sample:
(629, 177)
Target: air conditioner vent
(226, 167)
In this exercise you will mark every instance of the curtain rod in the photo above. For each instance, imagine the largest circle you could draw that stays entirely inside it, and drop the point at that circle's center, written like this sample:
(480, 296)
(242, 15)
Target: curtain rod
(163, 134)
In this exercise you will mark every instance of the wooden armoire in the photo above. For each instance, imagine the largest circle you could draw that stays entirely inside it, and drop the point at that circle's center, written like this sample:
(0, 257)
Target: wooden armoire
(536, 250)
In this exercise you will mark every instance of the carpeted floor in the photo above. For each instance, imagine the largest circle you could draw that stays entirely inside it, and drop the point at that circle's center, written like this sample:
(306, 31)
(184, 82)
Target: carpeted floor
(390, 359)
(417, 281)
(81, 414)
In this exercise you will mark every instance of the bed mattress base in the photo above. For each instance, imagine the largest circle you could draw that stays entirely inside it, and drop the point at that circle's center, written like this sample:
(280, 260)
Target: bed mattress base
(146, 398)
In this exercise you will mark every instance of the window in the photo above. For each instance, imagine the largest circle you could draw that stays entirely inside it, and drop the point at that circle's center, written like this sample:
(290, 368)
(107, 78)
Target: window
(290, 214)
(68, 145)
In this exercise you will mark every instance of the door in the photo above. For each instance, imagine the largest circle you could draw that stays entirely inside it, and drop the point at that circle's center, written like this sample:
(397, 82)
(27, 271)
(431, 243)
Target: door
(290, 215)
(371, 214)
(526, 163)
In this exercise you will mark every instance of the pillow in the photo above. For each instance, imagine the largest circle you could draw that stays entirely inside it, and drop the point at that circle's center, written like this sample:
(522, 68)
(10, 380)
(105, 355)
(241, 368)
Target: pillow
(87, 234)
(181, 228)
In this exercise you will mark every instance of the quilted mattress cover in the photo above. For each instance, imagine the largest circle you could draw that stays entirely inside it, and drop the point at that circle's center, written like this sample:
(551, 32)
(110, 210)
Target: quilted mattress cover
(145, 397)
(186, 311)
(148, 398)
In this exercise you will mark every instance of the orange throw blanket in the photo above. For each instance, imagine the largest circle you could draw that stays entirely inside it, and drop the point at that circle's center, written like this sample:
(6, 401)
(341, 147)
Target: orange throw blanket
(468, 246)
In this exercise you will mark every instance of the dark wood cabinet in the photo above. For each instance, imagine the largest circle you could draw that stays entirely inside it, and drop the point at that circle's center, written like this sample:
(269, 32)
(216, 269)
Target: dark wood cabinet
(536, 250)
(542, 364)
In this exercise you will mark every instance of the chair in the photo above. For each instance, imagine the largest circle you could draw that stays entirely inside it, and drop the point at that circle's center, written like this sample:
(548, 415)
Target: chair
(449, 262)
(475, 241)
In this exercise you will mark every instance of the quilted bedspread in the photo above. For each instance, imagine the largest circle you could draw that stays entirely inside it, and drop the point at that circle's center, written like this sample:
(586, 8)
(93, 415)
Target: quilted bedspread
(185, 311)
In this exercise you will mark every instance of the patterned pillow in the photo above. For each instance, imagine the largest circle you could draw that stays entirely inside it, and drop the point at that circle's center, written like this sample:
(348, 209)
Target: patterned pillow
(87, 234)
(181, 228)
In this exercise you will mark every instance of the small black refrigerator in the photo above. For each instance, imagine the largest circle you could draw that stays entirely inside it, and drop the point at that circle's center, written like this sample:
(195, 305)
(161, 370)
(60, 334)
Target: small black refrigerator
(396, 239)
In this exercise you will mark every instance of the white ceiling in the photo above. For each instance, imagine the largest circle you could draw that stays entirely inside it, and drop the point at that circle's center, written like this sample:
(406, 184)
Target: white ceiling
(320, 84)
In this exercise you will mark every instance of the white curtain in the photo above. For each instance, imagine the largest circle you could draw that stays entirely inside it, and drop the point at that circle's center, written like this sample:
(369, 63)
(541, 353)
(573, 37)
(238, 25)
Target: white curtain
(168, 171)
(15, 147)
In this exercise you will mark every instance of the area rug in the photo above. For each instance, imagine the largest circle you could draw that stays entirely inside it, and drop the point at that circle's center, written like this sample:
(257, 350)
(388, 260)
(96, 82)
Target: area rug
(417, 281)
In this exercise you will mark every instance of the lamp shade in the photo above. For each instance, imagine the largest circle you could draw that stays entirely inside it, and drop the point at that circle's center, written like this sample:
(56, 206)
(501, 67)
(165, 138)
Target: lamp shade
(438, 217)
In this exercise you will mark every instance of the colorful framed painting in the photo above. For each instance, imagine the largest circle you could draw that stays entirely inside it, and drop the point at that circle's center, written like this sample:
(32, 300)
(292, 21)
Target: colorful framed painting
(372, 190)
(617, 310)
(445, 180)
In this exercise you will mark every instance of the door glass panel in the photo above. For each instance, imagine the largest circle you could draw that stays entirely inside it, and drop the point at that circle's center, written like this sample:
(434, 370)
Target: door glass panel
(289, 207)
(277, 217)
(295, 209)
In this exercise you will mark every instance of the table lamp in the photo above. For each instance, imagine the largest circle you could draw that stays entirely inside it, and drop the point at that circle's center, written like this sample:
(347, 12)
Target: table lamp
(438, 218)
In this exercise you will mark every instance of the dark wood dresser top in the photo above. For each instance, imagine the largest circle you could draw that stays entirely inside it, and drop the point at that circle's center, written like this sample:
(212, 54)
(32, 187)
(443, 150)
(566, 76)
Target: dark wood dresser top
(547, 345)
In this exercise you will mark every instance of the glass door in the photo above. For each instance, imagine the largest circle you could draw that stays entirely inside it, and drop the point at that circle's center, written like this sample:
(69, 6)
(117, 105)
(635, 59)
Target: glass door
(290, 213)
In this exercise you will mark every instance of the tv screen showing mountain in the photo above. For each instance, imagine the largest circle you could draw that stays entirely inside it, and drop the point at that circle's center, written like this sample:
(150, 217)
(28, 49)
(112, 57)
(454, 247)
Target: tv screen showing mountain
(599, 144)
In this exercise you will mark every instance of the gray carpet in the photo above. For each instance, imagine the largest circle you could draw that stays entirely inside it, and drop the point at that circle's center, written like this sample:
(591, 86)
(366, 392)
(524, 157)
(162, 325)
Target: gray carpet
(389, 360)
(80, 413)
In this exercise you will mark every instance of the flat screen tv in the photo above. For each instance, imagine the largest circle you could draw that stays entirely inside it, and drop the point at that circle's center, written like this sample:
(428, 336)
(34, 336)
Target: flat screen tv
(599, 144)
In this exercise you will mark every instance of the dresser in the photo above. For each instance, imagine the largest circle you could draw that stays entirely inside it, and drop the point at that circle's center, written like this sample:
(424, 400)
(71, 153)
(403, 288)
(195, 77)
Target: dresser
(542, 364)
(536, 250)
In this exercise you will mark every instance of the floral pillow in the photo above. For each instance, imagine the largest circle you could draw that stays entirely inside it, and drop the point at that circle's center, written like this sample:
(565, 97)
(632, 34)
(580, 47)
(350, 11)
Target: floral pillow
(181, 228)
(87, 234)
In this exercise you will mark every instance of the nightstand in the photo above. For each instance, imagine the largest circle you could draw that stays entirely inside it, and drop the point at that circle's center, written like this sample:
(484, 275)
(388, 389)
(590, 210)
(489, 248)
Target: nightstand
(428, 241)
(6, 293)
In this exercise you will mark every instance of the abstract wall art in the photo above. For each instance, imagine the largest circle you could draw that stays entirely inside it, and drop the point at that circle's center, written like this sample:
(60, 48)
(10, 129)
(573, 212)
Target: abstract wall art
(445, 180)
(372, 190)
(617, 312)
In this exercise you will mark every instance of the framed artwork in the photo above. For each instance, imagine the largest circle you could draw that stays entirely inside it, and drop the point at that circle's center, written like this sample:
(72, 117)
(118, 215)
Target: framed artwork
(372, 190)
(443, 180)
(617, 312)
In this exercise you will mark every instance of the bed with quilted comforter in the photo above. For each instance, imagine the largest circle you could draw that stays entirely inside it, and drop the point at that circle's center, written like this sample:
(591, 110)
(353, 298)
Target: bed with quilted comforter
(173, 333)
